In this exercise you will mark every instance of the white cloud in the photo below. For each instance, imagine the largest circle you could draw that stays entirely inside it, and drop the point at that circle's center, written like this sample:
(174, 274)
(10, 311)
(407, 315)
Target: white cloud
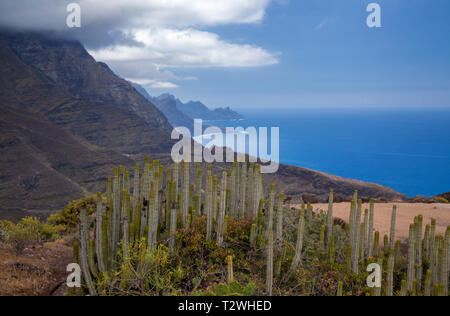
(51, 14)
(153, 84)
(170, 48)
(144, 38)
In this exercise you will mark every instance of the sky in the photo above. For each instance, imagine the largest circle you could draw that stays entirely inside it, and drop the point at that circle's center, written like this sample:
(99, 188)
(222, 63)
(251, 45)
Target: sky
(263, 53)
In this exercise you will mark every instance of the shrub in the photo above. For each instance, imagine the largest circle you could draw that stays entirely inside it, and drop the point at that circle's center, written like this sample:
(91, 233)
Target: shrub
(24, 234)
(69, 217)
(30, 231)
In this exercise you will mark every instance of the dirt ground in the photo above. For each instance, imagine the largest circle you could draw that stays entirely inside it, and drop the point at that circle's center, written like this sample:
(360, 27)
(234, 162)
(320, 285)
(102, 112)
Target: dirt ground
(405, 216)
(38, 271)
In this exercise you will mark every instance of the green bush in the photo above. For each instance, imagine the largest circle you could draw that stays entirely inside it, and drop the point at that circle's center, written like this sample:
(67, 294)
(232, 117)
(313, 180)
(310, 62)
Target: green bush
(69, 217)
(442, 200)
(30, 231)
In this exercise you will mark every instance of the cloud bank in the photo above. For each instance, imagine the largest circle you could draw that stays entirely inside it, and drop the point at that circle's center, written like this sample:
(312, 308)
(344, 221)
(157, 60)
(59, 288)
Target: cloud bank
(146, 40)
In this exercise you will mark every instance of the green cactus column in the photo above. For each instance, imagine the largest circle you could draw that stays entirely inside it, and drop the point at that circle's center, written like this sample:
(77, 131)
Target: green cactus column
(392, 233)
(444, 267)
(380, 260)
(214, 197)
(84, 233)
(184, 192)
(427, 285)
(223, 201)
(136, 184)
(365, 235)
(411, 259)
(356, 237)
(330, 218)
(243, 190)
(299, 244)
(332, 251)
(271, 207)
(279, 231)
(419, 227)
(198, 189)
(269, 263)
(390, 273)
(370, 233)
(340, 289)
(98, 234)
(376, 243)
(230, 275)
(209, 205)
(116, 213)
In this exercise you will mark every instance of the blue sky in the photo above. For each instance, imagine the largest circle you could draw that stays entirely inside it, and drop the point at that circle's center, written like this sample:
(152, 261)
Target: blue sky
(329, 57)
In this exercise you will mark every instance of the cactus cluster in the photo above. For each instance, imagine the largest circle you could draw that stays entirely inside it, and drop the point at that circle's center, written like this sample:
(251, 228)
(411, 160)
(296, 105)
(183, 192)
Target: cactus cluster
(161, 202)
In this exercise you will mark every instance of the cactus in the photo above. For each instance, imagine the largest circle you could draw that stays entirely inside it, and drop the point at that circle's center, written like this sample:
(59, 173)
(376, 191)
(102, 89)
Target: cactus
(184, 192)
(380, 260)
(330, 218)
(99, 235)
(76, 252)
(269, 263)
(370, 245)
(426, 242)
(198, 190)
(230, 276)
(403, 288)
(209, 205)
(84, 235)
(173, 228)
(116, 212)
(243, 190)
(444, 267)
(214, 197)
(356, 236)
(386, 246)
(418, 255)
(271, 207)
(393, 221)
(222, 208)
(339, 290)
(348, 261)
(279, 231)
(322, 237)
(376, 242)
(411, 256)
(427, 286)
(299, 245)
(390, 273)
(363, 248)
(332, 251)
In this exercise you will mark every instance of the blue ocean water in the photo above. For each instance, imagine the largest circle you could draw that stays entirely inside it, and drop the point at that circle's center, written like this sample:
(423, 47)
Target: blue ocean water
(405, 149)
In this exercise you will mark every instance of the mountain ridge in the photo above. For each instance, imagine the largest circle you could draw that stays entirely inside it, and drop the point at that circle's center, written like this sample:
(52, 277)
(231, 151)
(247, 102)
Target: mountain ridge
(62, 129)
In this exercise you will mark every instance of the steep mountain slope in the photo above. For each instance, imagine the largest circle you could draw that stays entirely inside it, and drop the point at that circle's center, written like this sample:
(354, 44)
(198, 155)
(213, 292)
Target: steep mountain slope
(167, 105)
(44, 166)
(61, 80)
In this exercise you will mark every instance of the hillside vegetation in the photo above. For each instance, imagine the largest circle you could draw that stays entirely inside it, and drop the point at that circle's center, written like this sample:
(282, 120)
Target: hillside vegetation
(170, 233)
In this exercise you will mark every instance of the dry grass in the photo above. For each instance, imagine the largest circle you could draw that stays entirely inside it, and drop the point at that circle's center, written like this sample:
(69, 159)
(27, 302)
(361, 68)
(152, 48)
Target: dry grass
(37, 272)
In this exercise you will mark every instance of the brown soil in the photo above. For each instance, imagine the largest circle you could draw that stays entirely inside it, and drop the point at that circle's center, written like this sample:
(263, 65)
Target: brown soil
(38, 271)
(405, 216)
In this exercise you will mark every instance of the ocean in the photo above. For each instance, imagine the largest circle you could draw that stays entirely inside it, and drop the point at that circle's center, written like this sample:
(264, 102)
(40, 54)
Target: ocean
(405, 149)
